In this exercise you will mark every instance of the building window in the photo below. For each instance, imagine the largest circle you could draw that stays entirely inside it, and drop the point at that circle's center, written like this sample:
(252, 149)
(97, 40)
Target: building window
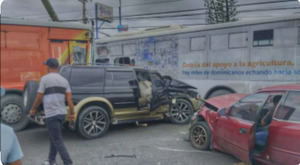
(263, 38)
(115, 49)
(130, 49)
(219, 42)
(197, 43)
(238, 40)
(118, 78)
(285, 36)
(87, 77)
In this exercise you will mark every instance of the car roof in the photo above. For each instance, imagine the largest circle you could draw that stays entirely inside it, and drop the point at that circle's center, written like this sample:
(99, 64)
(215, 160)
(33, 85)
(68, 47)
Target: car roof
(287, 87)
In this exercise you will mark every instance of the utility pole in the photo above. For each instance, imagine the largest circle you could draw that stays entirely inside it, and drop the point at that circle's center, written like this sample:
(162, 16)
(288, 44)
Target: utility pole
(227, 11)
(120, 13)
(50, 10)
(84, 19)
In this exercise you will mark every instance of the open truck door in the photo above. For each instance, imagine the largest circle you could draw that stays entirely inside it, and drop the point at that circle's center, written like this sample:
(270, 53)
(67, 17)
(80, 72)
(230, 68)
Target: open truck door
(159, 91)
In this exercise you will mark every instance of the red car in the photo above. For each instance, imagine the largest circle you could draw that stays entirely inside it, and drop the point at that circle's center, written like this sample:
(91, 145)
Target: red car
(234, 123)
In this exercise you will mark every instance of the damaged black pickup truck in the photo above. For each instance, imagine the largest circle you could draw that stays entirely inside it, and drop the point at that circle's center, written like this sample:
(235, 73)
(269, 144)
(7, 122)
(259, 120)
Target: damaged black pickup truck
(105, 95)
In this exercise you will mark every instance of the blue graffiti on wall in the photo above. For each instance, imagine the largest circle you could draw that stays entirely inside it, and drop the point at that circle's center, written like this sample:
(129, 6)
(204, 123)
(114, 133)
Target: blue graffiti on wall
(159, 53)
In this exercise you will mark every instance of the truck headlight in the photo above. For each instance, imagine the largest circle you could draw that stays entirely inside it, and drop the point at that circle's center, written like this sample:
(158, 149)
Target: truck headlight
(173, 101)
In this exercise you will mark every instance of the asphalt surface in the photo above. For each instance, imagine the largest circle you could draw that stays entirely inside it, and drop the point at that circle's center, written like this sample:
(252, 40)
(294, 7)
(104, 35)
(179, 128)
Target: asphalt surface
(160, 143)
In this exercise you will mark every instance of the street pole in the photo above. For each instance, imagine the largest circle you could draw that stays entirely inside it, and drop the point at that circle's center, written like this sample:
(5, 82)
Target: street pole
(227, 11)
(50, 10)
(96, 20)
(120, 13)
(1, 3)
(84, 20)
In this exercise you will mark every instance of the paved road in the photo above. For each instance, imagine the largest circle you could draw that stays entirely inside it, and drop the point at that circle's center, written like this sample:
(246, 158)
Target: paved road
(160, 143)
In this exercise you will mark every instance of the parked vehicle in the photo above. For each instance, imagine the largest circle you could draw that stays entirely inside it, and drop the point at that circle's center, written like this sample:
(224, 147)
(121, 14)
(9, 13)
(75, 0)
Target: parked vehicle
(25, 44)
(218, 59)
(105, 95)
(231, 123)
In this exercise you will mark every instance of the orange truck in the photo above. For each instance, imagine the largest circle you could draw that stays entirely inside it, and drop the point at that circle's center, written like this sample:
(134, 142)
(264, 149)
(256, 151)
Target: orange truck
(24, 46)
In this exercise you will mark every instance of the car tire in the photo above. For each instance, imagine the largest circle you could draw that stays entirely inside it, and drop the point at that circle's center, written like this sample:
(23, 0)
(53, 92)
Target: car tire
(93, 122)
(200, 136)
(13, 113)
(181, 112)
(29, 94)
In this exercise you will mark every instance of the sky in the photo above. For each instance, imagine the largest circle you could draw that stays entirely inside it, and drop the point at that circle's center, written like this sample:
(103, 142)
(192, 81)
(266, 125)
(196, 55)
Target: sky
(169, 12)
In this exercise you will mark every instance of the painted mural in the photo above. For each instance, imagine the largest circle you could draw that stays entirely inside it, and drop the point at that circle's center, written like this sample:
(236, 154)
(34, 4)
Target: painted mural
(160, 54)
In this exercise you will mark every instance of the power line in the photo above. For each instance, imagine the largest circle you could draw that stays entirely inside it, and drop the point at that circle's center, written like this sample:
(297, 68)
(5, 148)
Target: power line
(198, 14)
(263, 3)
(190, 10)
(151, 3)
(200, 9)
(142, 27)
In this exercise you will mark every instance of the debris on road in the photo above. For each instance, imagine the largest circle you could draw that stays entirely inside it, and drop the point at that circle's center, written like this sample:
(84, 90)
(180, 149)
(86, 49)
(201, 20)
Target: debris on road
(141, 124)
(120, 156)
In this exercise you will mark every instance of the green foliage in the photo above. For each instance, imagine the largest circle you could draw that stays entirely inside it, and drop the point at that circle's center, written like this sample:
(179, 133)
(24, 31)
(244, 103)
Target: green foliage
(220, 11)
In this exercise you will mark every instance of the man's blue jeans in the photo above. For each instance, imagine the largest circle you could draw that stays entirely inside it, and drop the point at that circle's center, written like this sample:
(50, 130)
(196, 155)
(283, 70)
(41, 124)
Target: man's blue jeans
(261, 137)
(261, 140)
(54, 125)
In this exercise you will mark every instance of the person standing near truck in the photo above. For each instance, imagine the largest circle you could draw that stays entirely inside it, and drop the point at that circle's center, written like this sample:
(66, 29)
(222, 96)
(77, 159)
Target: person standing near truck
(54, 90)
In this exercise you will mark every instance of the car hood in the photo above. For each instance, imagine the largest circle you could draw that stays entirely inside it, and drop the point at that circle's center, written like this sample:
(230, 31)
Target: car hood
(225, 100)
(180, 84)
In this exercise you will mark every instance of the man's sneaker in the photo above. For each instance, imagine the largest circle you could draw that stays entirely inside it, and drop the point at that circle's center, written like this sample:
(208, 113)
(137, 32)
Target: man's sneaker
(46, 162)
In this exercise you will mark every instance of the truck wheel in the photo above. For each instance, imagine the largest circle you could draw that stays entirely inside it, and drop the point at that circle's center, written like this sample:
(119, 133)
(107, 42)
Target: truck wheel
(13, 113)
(181, 112)
(93, 122)
(29, 95)
(200, 135)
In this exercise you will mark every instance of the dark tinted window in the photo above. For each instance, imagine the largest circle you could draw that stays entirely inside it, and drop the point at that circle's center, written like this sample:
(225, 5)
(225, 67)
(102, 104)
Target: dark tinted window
(118, 78)
(263, 38)
(248, 107)
(87, 77)
(290, 109)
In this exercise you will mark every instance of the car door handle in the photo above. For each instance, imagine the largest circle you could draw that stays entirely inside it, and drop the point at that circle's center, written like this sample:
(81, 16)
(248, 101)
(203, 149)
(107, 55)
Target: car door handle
(243, 131)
